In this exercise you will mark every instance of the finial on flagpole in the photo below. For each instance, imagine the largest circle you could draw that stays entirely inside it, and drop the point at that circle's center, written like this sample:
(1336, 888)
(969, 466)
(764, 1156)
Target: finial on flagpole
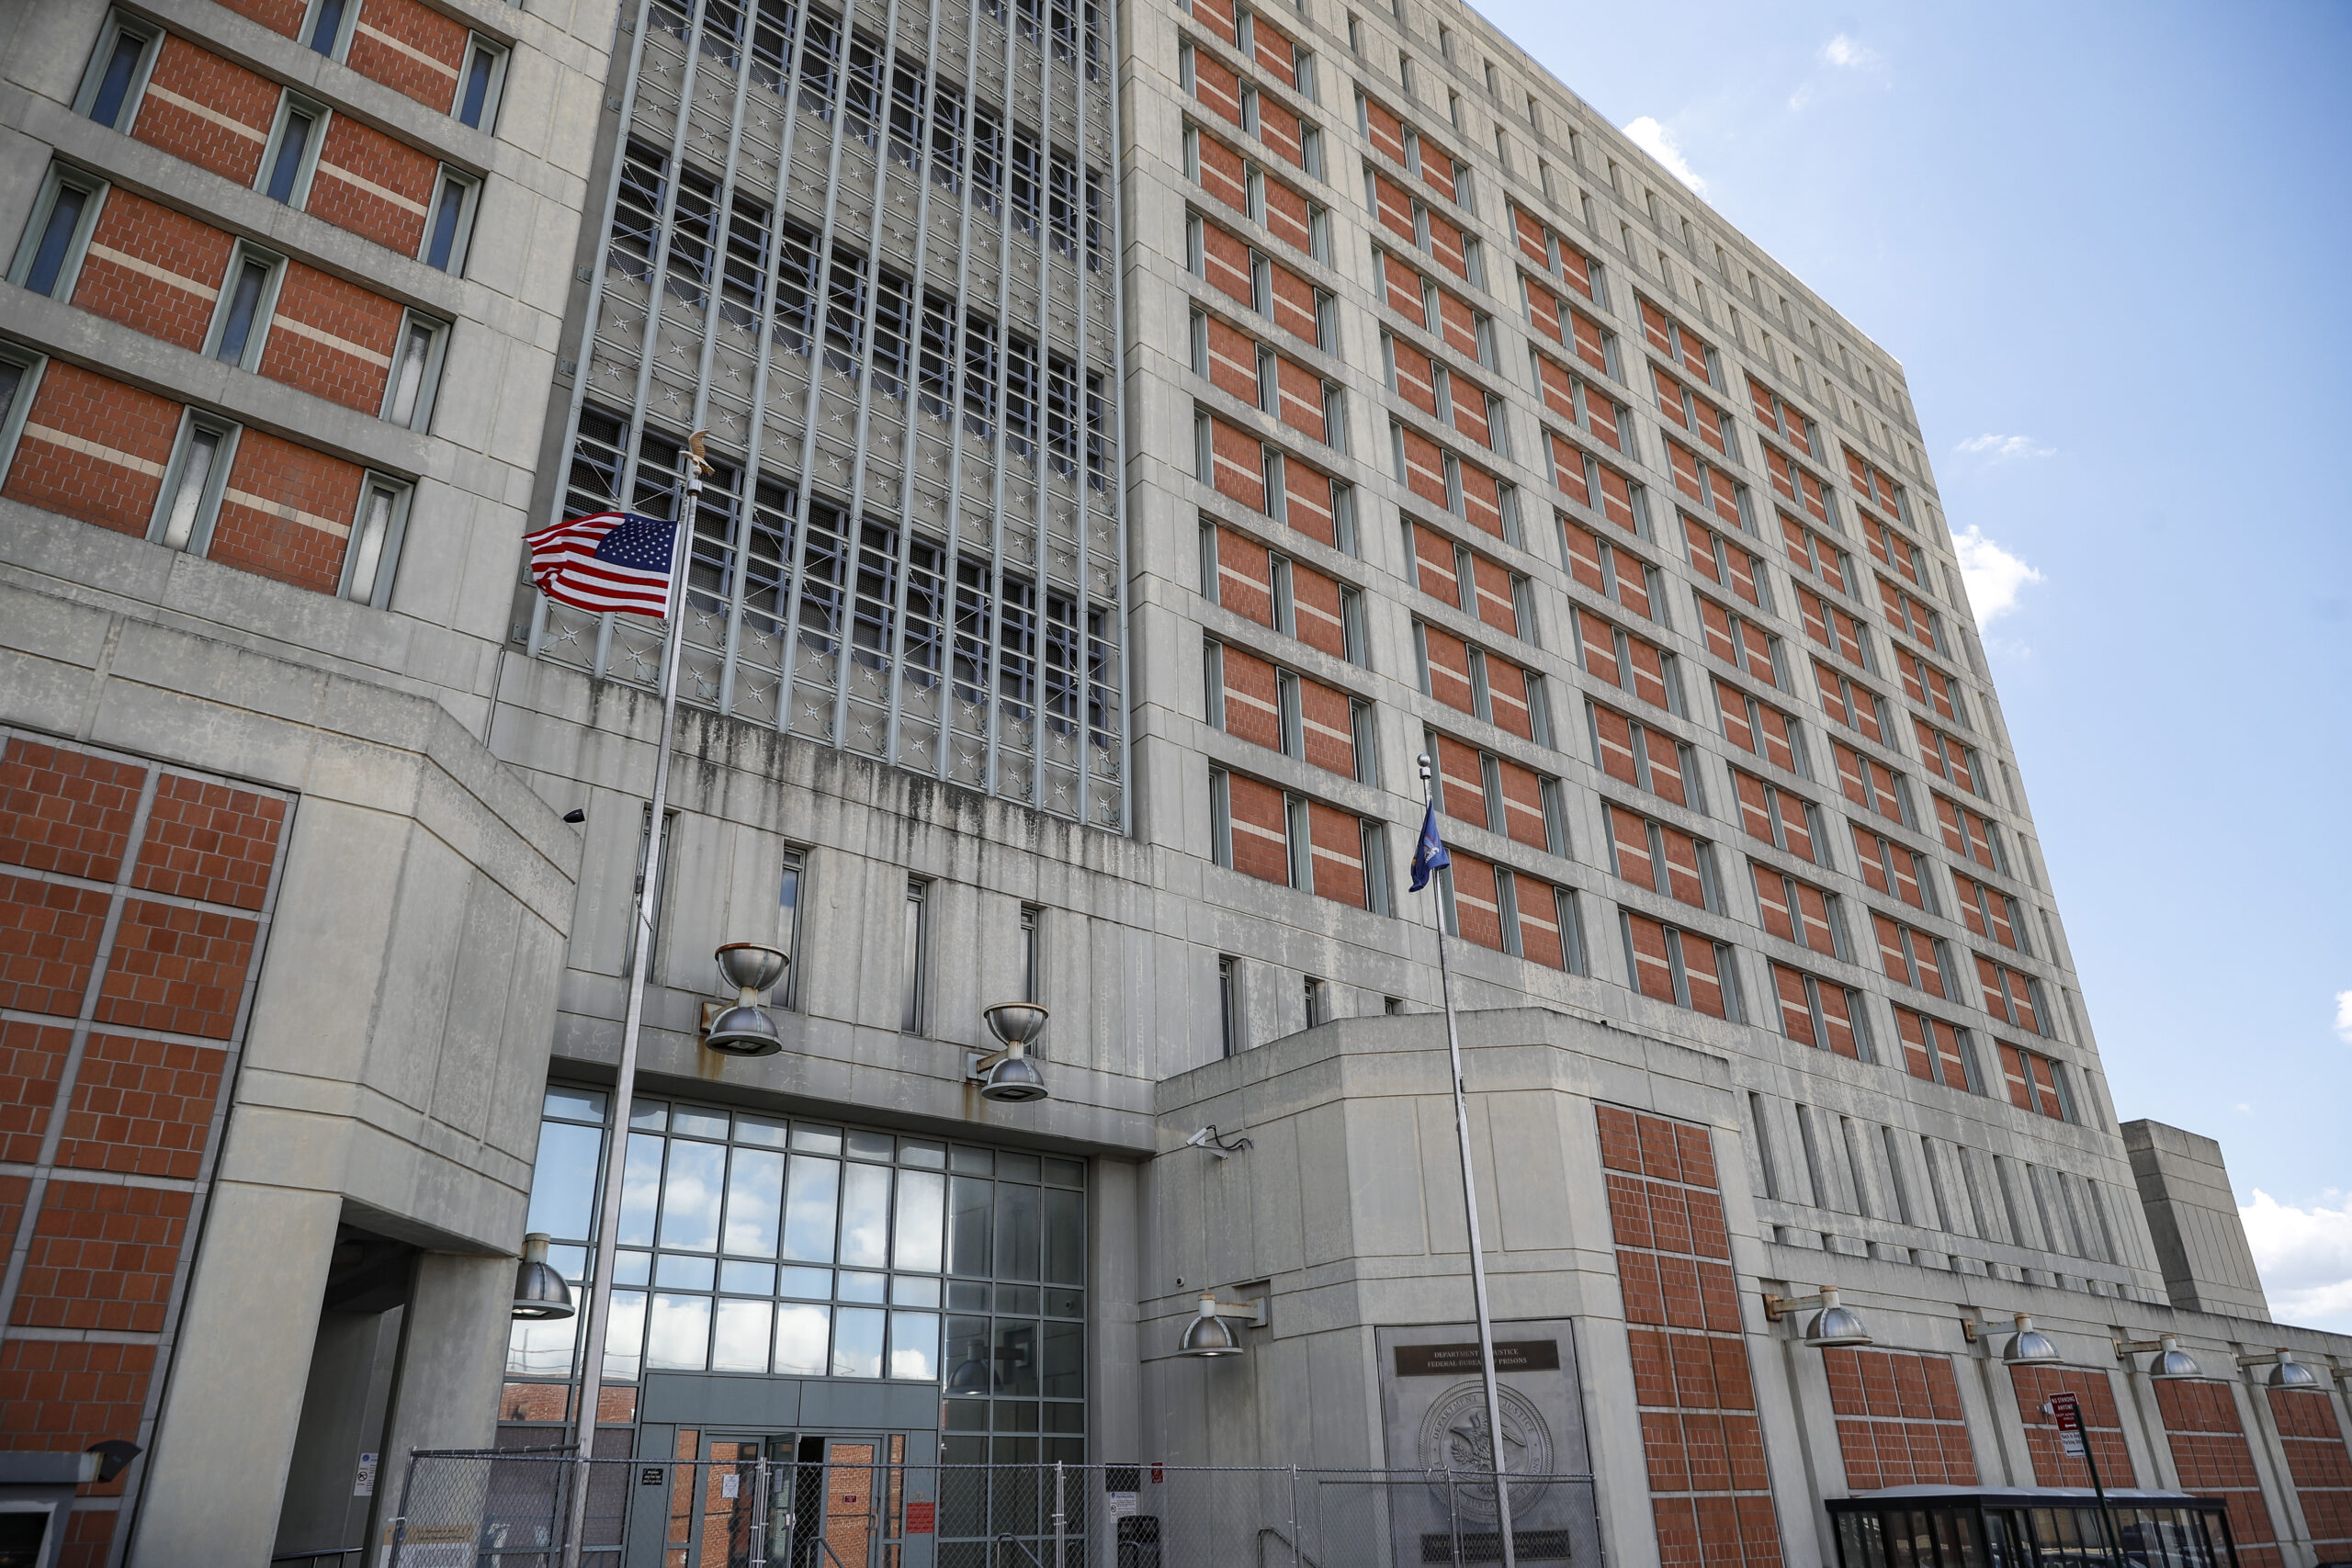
(695, 449)
(1425, 767)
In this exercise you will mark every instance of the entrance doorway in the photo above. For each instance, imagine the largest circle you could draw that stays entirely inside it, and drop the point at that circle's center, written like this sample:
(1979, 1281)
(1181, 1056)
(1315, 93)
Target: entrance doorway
(801, 1500)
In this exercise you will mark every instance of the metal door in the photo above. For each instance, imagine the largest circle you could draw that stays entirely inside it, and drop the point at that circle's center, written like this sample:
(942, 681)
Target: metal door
(838, 1502)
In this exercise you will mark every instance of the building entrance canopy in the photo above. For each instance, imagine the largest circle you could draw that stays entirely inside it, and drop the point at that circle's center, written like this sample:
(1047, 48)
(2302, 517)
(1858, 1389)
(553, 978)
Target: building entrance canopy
(2045, 1527)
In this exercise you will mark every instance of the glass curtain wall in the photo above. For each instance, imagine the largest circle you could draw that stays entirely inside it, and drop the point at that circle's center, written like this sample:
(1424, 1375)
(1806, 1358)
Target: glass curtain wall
(773, 1246)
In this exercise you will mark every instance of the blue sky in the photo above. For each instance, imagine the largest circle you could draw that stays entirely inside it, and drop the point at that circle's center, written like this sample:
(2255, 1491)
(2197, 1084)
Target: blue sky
(2108, 244)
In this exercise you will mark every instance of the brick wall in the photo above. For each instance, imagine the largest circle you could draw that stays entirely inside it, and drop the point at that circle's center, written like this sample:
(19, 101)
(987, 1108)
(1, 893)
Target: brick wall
(2317, 1460)
(1308, 504)
(200, 108)
(277, 15)
(332, 338)
(410, 49)
(1899, 1420)
(1710, 1493)
(2101, 1426)
(123, 1064)
(286, 512)
(373, 186)
(2210, 1450)
(154, 269)
(94, 449)
(1338, 843)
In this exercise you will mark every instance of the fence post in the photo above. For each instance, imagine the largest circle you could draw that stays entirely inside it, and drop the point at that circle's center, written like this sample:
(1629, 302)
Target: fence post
(1294, 1547)
(760, 1510)
(399, 1520)
(1061, 1552)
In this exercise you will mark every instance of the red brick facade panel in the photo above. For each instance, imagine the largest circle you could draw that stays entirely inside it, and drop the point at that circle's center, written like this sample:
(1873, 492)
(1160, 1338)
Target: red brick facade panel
(1477, 909)
(32, 1056)
(332, 338)
(2101, 1426)
(1294, 304)
(1287, 217)
(378, 189)
(94, 449)
(177, 970)
(1260, 829)
(89, 1533)
(1252, 710)
(209, 841)
(287, 512)
(1301, 400)
(66, 1394)
(1338, 842)
(154, 269)
(142, 1107)
(1217, 17)
(49, 940)
(2210, 1450)
(1327, 725)
(2319, 1463)
(1221, 174)
(1701, 1436)
(200, 108)
(1225, 260)
(1238, 465)
(1218, 88)
(1899, 1420)
(103, 1257)
(1317, 615)
(409, 48)
(1245, 577)
(1310, 505)
(1233, 361)
(68, 812)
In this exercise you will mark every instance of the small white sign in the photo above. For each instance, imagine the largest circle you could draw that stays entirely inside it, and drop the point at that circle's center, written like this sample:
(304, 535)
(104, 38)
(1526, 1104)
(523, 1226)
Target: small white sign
(2070, 1444)
(363, 1484)
(730, 1485)
(1123, 1504)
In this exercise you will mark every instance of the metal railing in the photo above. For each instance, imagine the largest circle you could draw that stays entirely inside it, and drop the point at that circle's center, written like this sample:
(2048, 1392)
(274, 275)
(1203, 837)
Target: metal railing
(775, 1510)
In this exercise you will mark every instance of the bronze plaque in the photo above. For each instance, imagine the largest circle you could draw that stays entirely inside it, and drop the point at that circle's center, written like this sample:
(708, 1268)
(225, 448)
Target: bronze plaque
(1461, 1360)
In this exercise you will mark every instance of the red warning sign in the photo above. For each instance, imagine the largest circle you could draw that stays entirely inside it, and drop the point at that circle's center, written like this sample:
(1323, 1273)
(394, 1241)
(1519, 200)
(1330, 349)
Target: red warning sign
(922, 1517)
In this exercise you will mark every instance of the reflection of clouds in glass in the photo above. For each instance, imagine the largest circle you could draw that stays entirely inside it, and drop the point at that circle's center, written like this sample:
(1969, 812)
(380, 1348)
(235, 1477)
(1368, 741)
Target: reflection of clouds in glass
(923, 1216)
(857, 1342)
(754, 1202)
(563, 1183)
(742, 1342)
(640, 1189)
(624, 1332)
(800, 1333)
(809, 1211)
(681, 1336)
(690, 1196)
(914, 1344)
(865, 1217)
(540, 1348)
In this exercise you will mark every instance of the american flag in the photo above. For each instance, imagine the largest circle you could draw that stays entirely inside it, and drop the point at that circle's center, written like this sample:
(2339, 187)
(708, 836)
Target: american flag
(610, 561)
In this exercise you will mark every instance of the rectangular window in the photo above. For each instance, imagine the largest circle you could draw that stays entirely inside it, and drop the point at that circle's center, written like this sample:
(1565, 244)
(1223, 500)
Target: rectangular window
(49, 258)
(915, 953)
(19, 374)
(1031, 958)
(293, 154)
(241, 318)
(192, 484)
(118, 72)
(452, 222)
(327, 29)
(1316, 1006)
(787, 900)
(373, 554)
(485, 76)
(1228, 1004)
(416, 372)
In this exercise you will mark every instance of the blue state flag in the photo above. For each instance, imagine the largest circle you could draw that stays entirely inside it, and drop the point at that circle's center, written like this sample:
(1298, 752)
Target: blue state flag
(1429, 855)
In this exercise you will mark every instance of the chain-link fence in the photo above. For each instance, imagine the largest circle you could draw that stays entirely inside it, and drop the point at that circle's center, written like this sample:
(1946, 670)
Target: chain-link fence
(806, 1507)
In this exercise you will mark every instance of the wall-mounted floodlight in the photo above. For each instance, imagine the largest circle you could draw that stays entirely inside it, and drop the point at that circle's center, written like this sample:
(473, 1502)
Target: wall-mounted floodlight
(2029, 1347)
(2171, 1361)
(1008, 1076)
(539, 1291)
(1211, 1332)
(1835, 1326)
(2287, 1374)
(1218, 1145)
(745, 1029)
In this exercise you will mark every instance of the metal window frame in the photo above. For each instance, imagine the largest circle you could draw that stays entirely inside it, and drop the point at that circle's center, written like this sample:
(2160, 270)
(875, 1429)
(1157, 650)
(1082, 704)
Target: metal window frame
(495, 90)
(208, 507)
(119, 24)
(242, 253)
(469, 207)
(402, 496)
(289, 104)
(428, 385)
(77, 245)
(346, 24)
(915, 998)
(32, 364)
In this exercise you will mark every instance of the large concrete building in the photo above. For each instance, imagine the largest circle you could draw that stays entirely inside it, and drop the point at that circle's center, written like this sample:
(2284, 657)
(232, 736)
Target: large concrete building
(1141, 432)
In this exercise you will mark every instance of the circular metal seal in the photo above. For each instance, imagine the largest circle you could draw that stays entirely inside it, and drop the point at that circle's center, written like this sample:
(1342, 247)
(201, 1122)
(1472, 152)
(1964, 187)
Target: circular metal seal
(1455, 1437)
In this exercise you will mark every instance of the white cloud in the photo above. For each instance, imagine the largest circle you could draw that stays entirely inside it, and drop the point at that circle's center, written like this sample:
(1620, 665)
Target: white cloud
(1844, 52)
(1658, 142)
(1800, 97)
(2344, 1016)
(2004, 448)
(2305, 1255)
(1991, 575)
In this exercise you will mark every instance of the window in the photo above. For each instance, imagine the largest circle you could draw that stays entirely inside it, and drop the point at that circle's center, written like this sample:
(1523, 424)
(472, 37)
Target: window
(1788, 822)
(1688, 968)
(2037, 1083)
(373, 553)
(787, 902)
(192, 484)
(241, 319)
(485, 76)
(1822, 1014)
(416, 372)
(19, 373)
(1032, 972)
(50, 256)
(1935, 1051)
(1664, 859)
(914, 952)
(1228, 1004)
(118, 72)
(452, 222)
(293, 154)
(1316, 1008)
(326, 29)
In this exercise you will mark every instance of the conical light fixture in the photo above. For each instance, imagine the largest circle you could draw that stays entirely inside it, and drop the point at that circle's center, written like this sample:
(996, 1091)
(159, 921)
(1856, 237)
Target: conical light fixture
(539, 1291)
(1008, 1076)
(1210, 1334)
(745, 1029)
(2030, 1347)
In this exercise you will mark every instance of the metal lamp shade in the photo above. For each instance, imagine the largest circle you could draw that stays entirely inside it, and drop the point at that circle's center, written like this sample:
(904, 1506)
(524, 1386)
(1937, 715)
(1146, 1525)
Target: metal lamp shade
(1837, 1325)
(1016, 1024)
(2172, 1361)
(2030, 1346)
(1015, 1080)
(2291, 1373)
(539, 1291)
(751, 965)
(1209, 1334)
(743, 1031)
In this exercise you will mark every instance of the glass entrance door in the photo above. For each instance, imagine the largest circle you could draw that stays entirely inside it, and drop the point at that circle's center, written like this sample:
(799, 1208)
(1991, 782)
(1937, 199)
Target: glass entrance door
(838, 1502)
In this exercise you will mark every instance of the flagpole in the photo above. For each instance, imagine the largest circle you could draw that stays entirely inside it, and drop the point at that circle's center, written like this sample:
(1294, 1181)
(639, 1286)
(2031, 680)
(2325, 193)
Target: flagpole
(1470, 1208)
(590, 1342)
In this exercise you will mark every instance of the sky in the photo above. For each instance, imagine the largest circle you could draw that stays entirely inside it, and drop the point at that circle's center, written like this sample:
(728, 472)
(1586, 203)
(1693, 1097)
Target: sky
(2108, 244)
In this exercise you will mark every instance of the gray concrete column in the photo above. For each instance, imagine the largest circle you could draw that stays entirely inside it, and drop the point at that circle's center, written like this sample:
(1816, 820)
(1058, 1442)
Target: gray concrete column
(452, 1356)
(1115, 1379)
(226, 1431)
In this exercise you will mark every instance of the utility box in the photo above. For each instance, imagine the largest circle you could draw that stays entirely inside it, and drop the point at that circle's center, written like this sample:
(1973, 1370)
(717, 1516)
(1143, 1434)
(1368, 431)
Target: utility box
(36, 1495)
